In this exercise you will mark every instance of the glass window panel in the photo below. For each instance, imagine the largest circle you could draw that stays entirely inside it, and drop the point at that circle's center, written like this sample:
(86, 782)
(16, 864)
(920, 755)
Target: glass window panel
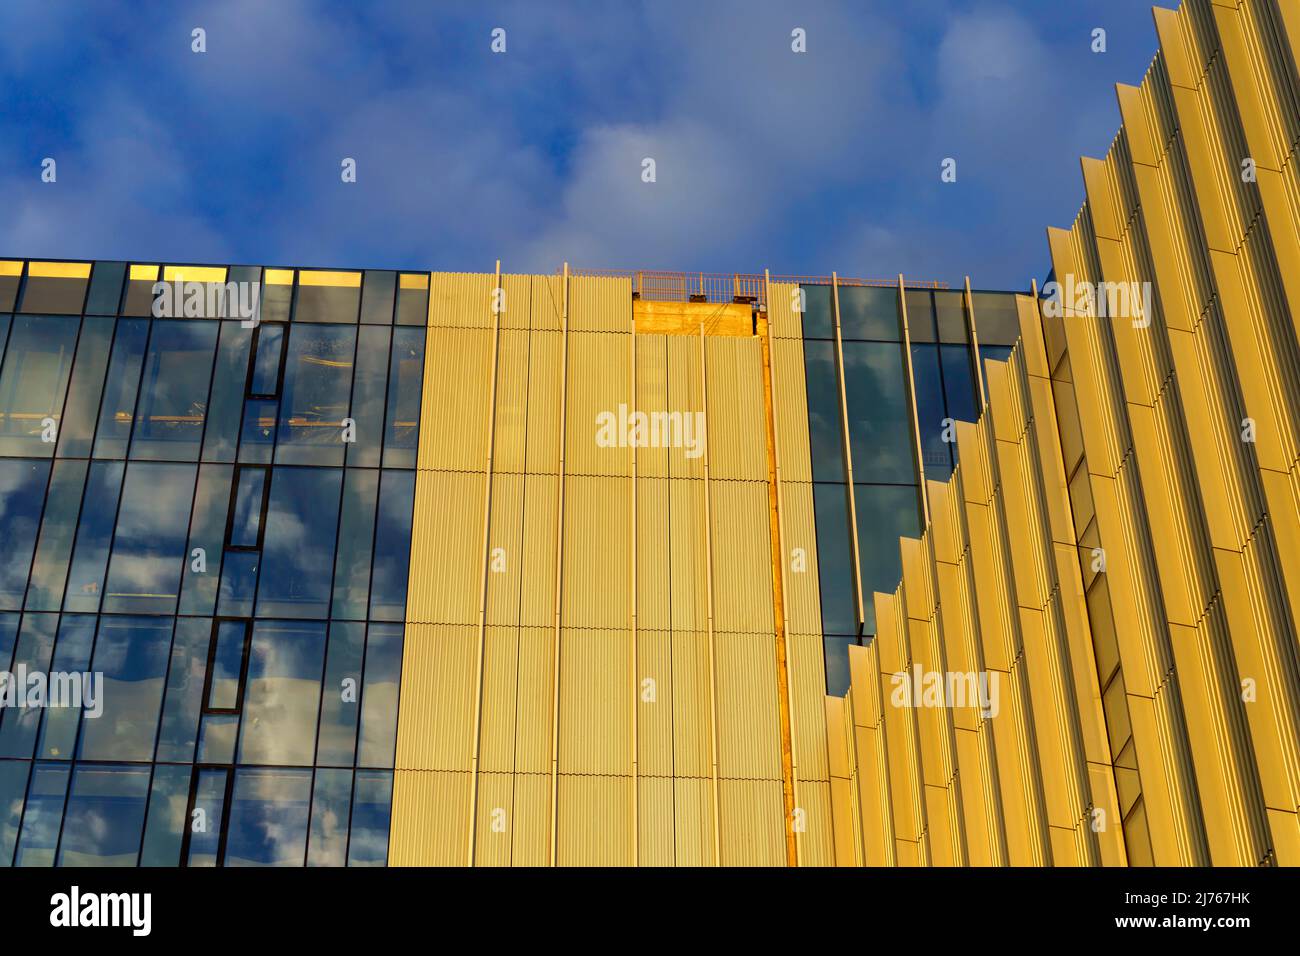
(238, 583)
(958, 386)
(870, 312)
(45, 798)
(368, 390)
(837, 664)
(22, 496)
(392, 546)
(51, 294)
(227, 666)
(950, 310)
(105, 288)
(139, 288)
(826, 442)
(9, 285)
(54, 547)
(18, 725)
(997, 318)
(250, 491)
(117, 411)
(105, 816)
(225, 407)
(930, 412)
(257, 437)
(185, 678)
(8, 638)
(33, 382)
(217, 737)
(372, 806)
(379, 699)
(413, 299)
(164, 830)
(205, 818)
(885, 514)
(834, 559)
(266, 369)
(144, 572)
(174, 396)
(339, 700)
(920, 315)
(298, 545)
(356, 537)
(94, 534)
(405, 380)
(327, 296)
(268, 818)
(880, 422)
(331, 807)
(818, 317)
(282, 693)
(378, 292)
(317, 394)
(248, 291)
(71, 656)
(207, 531)
(5, 321)
(77, 431)
(132, 654)
(277, 294)
(13, 794)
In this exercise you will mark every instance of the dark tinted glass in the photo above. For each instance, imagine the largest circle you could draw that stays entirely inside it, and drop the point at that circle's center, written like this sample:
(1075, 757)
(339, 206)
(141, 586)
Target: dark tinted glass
(869, 312)
(174, 394)
(105, 816)
(834, 560)
(34, 382)
(880, 424)
(298, 545)
(826, 442)
(885, 514)
(20, 518)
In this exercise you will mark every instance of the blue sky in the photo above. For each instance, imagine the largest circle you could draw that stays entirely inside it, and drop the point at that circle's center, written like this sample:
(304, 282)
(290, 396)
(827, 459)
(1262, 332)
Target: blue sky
(800, 163)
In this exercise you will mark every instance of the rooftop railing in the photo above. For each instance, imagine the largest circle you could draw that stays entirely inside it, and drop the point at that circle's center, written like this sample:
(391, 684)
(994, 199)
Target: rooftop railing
(728, 286)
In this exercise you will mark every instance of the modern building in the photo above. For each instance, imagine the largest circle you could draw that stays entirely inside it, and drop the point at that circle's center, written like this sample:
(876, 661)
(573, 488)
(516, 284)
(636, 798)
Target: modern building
(363, 567)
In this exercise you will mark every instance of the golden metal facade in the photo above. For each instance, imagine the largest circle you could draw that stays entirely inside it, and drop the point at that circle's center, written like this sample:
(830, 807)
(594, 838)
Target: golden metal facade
(607, 661)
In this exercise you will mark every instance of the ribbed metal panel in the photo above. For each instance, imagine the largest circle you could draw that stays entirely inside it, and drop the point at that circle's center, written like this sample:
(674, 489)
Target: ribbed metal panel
(652, 396)
(656, 838)
(802, 587)
(510, 440)
(595, 701)
(547, 303)
(600, 304)
(686, 396)
(537, 556)
(691, 694)
(791, 409)
(688, 571)
(653, 552)
(545, 367)
(786, 322)
(737, 428)
(594, 826)
(817, 841)
(446, 546)
(430, 822)
(533, 702)
(437, 697)
(749, 728)
(751, 820)
(693, 821)
(654, 650)
(597, 552)
(454, 411)
(742, 565)
(492, 837)
(807, 704)
(461, 299)
(518, 302)
(500, 699)
(600, 381)
(505, 558)
(531, 824)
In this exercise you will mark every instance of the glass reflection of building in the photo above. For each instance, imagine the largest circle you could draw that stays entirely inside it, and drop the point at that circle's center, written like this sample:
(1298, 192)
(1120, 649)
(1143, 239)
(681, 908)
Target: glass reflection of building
(181, 510)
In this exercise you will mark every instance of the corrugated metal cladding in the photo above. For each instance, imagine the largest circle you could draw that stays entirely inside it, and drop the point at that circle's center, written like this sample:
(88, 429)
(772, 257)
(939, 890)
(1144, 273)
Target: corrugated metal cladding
(496, 684)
